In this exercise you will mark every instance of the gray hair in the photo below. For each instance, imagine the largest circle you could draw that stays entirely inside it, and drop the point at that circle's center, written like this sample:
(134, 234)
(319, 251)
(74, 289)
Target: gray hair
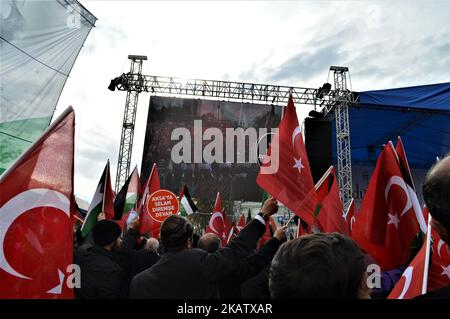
(152, 244)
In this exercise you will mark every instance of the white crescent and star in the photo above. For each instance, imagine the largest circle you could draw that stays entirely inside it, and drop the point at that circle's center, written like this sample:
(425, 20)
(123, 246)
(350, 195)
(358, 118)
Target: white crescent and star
(408, 276)
(446, 271)
(439, 246)
(298, 162)
(352, 221)
(296, 131)
(417, 209)
(211, 222)
(396, 180)
(58, 289)
(393, 219)
(20, 204)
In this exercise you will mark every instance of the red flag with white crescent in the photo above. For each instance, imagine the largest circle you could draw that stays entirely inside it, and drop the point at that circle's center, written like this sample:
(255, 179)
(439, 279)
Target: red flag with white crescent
(439, 272)
(241, 224)
(216, 223)
(414, 280)
(350, 215)
(386, 223)
(36, 209)
(285, 173)
(407, 176)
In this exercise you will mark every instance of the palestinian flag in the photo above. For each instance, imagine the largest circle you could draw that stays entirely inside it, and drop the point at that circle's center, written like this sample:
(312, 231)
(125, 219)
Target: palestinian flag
(187, 206)
(127, 198)
(101, 202)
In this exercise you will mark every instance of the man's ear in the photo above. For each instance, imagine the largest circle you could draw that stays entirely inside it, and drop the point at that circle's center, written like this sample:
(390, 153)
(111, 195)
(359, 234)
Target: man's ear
(363, 289)
(189, 244)
(441, 230)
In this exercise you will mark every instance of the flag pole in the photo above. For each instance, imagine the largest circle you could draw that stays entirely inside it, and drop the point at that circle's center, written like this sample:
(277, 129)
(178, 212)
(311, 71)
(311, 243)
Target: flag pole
(104, 186)
(78, 218)
(427, 256)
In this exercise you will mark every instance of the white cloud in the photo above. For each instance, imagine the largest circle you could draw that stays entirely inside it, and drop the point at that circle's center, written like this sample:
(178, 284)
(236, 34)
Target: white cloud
(385, 45)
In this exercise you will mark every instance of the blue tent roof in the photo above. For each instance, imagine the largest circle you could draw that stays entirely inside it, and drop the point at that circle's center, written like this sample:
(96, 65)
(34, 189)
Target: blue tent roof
(419, 114)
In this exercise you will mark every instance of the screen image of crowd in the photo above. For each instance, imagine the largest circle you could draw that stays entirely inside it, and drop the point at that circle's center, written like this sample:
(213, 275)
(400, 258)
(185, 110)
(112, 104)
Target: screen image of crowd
(235, 181)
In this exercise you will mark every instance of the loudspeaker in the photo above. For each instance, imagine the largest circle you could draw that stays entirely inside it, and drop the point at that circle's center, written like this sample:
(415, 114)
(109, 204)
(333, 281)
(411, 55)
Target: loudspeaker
(318, 143)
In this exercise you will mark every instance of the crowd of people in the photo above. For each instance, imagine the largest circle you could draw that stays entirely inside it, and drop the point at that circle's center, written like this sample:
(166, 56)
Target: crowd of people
(116, 264)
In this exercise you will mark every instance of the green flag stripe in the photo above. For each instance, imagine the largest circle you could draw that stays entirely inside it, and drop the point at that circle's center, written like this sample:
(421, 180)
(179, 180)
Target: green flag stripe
(91, 220)
(186, 206)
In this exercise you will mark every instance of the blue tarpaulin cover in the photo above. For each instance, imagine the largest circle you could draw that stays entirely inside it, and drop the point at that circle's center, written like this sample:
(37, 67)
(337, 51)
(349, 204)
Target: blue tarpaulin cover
(419, 114)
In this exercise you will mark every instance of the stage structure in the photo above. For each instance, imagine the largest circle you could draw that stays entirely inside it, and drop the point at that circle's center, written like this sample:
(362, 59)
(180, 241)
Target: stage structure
(337, 100)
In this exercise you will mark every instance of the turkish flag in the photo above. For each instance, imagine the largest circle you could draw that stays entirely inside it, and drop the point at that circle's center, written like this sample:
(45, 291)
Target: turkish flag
(407, 176)
(232, 233)
(439, 272)
(413, 282)
(228, 226)
(216, 223)
(236, 228)
(285, 172)
(148, 225)
(271, 227)
(350, 215)
(36, 209)
(386, 224)
(242, 222)
(331, 215)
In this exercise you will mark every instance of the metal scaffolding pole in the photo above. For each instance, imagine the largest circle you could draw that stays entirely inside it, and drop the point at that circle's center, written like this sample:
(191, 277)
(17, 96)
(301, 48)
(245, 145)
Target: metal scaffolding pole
(338, 99)
(343, 97)
(129, 118)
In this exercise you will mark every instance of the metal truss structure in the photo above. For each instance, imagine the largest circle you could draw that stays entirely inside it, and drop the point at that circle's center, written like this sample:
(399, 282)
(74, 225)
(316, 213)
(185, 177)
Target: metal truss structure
(129, 119)
(342, 98)
(338, 99)
(231, 91)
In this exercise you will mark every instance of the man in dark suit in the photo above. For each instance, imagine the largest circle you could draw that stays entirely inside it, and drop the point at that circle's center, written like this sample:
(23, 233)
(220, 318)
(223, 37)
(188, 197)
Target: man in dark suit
(230, 284)
(102, 276)
(186, 273)
(435, 193)
(250, 266)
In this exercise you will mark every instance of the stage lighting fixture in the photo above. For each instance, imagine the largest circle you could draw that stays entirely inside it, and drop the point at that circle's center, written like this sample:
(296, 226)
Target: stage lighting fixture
(316, 114)
(112, 85)
(323, 90)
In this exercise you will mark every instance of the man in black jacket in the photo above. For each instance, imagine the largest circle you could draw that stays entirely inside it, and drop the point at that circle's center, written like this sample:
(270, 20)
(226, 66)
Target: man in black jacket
(102, 277)
(134, 259)
(186, 273)
(250, 266)
(230, 284)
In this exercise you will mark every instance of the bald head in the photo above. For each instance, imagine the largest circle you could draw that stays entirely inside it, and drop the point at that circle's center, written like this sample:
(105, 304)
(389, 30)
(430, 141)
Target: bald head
(152, 244)
(436, 192)
(209, 242)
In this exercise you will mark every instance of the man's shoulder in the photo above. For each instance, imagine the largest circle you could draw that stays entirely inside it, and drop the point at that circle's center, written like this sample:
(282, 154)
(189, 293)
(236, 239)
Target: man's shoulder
(187, 253)
(104, 261)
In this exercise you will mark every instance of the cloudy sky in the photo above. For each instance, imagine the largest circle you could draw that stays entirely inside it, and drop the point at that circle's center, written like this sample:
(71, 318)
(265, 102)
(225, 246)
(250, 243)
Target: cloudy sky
(384, 43)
